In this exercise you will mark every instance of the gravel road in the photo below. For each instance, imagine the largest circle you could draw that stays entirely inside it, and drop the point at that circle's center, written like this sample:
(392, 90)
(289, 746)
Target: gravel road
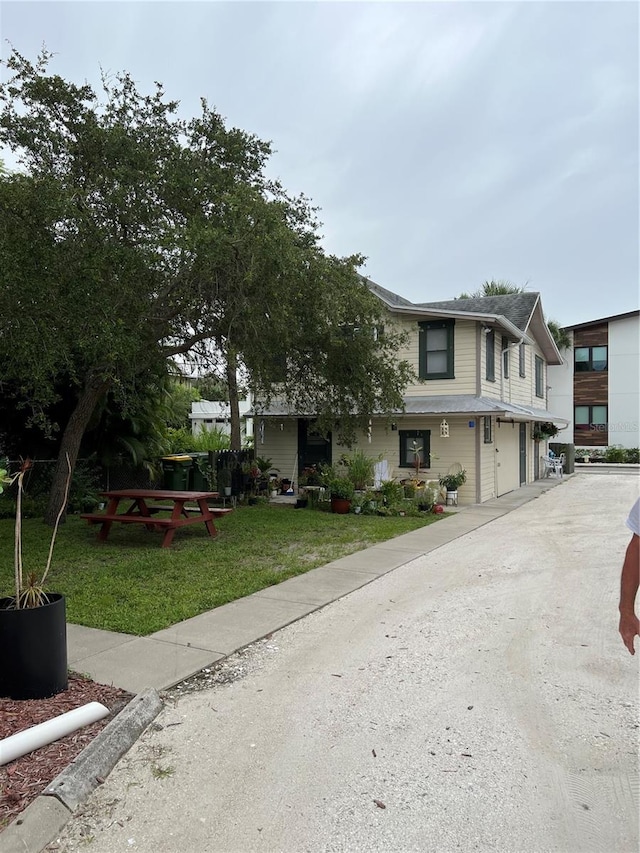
(477, 699)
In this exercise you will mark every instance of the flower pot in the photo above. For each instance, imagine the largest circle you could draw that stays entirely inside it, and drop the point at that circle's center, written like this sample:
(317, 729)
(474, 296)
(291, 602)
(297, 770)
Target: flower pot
(34, 644)
(452, 497)
(341, 506)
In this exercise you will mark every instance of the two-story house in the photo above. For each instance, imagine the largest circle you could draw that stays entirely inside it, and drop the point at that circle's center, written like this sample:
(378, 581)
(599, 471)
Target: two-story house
(481, 388)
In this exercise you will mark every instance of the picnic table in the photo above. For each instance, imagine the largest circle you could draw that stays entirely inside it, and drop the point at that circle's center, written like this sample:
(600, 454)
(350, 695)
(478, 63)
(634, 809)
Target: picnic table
(142, 505)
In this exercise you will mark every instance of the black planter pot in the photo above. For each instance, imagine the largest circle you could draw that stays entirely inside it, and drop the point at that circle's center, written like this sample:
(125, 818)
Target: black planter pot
(34, 649)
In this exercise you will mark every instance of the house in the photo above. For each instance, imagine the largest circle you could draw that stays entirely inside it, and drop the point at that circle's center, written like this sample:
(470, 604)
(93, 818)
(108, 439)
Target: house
(208, 414)
(597, 389)
(482, 388)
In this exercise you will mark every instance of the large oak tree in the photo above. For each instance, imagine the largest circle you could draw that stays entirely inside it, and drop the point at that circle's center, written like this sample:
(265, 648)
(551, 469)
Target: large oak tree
(129, 235)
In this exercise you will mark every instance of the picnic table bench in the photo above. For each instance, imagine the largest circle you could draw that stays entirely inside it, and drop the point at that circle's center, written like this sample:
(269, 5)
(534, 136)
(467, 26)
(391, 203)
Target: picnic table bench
(142, 508)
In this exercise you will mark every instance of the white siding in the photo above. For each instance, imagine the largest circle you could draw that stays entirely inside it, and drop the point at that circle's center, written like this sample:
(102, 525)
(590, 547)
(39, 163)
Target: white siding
(624, 381)
(561, 388)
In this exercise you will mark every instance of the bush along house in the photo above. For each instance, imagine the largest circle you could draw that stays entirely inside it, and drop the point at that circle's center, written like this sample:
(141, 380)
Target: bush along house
(479, 400)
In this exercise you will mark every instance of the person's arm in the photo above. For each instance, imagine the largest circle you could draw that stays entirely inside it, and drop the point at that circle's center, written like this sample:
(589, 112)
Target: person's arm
(629, 580)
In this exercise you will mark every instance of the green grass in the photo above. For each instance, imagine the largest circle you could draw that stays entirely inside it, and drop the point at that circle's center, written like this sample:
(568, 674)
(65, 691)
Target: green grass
(130, 584)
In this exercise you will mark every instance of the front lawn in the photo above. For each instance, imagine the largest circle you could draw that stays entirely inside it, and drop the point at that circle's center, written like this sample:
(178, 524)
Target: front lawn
(130, 584)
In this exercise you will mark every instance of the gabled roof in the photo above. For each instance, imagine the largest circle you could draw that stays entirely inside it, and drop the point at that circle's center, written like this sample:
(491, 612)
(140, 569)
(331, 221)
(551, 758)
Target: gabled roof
(517, 315)
(385, 295)
(516, 307)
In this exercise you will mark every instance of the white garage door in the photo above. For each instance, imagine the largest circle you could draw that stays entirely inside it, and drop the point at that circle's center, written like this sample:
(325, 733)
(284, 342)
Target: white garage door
(507, 450)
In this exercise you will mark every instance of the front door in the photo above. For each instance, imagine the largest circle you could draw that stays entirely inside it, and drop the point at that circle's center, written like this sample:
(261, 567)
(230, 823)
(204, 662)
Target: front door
(313, 448)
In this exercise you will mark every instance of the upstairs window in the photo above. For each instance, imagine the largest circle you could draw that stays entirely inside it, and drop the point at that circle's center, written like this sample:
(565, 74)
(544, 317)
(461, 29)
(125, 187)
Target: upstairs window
(590, 359)
(435, 342)
(539, 377)
(590, 418)
(506, 354)
(490, 347)
(522, 360)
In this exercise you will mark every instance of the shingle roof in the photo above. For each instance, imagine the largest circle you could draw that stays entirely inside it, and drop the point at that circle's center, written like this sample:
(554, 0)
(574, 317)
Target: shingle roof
(516, 307)
(387, 295)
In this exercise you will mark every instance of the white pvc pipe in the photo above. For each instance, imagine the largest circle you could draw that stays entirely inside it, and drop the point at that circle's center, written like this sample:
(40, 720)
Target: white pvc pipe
(19, 744)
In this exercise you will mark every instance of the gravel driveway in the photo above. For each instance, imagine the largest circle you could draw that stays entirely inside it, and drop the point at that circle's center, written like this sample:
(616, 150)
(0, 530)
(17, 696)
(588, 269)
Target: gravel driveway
(477, 699)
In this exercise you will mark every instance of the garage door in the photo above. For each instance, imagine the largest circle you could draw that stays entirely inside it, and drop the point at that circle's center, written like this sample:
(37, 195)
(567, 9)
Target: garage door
(508, 454)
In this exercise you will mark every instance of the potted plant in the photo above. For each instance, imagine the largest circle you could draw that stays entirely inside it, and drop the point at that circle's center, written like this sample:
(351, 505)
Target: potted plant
(275, 485)
(33, 627)
(341, 491)
(452, 483)
(360, 469)
(224, 481)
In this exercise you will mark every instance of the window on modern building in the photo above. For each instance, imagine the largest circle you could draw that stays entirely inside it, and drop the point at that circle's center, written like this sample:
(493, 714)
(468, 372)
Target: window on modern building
(590, 418)
(590, 359)
(539, 377)
(522, 363)
(505, 362)
(436, 349)
(490, 348)
(488, 435)
(410, 440)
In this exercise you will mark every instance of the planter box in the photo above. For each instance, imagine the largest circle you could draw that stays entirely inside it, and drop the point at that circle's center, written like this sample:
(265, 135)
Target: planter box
(34, 650)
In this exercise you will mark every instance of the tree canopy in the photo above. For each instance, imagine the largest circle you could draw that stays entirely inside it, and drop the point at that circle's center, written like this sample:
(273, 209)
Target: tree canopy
(501, 287)
(130, 235)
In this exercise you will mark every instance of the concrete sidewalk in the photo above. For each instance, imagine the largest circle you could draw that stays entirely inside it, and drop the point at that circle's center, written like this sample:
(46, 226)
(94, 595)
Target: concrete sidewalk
(167, 657)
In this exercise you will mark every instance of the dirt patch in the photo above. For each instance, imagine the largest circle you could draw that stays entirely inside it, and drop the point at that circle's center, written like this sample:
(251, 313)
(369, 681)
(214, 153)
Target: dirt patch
(22, 780)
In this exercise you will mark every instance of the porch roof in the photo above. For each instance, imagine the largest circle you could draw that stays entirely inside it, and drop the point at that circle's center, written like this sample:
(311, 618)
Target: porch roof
(443, 404)
(468, 404)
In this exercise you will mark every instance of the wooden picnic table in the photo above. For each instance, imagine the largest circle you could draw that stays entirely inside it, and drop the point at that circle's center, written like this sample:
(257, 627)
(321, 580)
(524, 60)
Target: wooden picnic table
(141, 507)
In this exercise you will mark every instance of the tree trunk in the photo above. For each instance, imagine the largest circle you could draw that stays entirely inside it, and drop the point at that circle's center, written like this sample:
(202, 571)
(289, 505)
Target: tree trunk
(91, 394)
(234, 403)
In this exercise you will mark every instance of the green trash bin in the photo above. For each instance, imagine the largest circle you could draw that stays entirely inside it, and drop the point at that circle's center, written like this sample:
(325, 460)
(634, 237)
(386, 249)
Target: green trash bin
(175, 472)
(198, 481)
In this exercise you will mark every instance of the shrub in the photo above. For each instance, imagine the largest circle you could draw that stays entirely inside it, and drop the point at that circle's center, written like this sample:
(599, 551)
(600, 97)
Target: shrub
(360, 469)
(341, 487)
(615, 453)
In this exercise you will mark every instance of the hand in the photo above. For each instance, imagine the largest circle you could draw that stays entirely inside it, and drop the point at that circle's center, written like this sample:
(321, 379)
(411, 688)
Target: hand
(629, 628)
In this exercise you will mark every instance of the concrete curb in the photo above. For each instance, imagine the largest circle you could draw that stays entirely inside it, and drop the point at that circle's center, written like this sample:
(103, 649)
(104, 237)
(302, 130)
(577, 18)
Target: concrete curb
(41, 821)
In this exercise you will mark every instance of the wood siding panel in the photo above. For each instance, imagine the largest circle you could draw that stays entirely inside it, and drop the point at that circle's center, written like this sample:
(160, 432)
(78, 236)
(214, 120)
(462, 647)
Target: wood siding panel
(445, 452)
(591, 388)
(464, 362)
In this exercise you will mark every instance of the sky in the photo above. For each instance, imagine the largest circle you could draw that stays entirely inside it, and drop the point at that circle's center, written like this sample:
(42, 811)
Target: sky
(448, 142)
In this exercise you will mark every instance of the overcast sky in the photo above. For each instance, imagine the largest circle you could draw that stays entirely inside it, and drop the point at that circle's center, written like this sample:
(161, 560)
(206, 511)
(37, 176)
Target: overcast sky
(450, 143)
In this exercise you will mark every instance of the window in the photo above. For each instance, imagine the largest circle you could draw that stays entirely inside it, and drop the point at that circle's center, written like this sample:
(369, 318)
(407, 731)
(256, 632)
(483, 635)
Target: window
(591, 418)
(539, 377)
(522, 362)
(488, 436)
(436, 350)
(505, 362)
(410, 439)
(590, 359)
(491, 356)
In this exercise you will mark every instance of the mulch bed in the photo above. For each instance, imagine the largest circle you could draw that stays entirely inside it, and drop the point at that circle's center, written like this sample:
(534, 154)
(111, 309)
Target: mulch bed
(22, 780)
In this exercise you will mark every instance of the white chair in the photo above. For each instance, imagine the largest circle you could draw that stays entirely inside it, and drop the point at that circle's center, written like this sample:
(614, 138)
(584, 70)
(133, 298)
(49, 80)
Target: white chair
(554, 465)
